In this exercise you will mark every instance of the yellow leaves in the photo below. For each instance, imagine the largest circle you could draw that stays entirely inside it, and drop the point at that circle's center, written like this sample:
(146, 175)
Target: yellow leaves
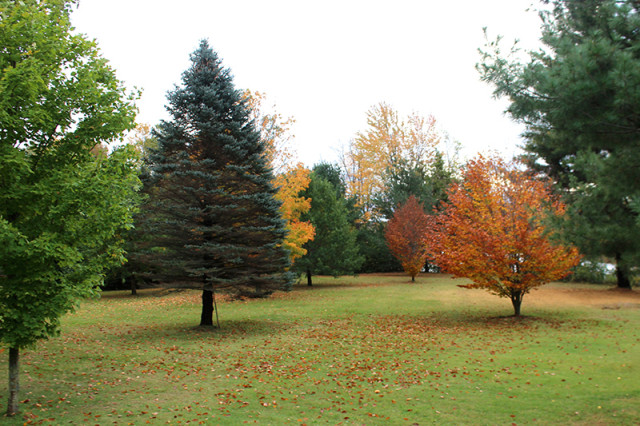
(275, 132)
(290, 178)
(387, 144)
(290, 185)
(299, 234)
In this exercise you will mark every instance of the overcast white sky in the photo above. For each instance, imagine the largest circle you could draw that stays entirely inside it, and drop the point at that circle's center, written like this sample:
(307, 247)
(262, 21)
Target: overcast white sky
(324, 63)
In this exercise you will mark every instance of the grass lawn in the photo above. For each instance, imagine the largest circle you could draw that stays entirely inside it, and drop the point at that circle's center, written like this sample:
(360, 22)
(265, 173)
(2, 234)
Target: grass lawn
(365, 350)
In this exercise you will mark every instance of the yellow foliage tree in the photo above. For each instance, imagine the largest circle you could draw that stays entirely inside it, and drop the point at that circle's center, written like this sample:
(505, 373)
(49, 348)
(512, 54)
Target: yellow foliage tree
(290, 185)
(388, 143)
(275, 131)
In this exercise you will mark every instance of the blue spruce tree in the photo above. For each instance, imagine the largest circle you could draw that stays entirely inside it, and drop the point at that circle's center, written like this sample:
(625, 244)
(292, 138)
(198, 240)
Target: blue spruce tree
(211, 215)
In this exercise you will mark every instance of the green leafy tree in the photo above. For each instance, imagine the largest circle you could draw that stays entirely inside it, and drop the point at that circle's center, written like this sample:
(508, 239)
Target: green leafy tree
(211, 209)
(401, 183)
(374, 249)
(131, 274)
(333, 174)
(579, 98)
(333, 251)
(64, 204)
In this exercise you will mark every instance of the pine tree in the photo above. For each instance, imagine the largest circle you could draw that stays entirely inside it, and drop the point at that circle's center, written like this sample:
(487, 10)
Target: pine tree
(211, 211)
(580, 100)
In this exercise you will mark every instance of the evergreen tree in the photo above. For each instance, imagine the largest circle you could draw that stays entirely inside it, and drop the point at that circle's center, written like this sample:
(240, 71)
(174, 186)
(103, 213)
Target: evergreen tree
(211, 208)
(331, 173)
(333, 251)
(580, 100)
(427, 182)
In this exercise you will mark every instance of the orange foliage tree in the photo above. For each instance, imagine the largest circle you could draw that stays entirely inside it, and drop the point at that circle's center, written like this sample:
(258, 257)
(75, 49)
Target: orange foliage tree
(291, 178)
(406, 236)
(493, 230)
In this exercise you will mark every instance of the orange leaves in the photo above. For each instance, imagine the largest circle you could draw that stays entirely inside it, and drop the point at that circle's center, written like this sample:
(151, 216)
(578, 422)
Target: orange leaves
(494, 231)
(406, 236)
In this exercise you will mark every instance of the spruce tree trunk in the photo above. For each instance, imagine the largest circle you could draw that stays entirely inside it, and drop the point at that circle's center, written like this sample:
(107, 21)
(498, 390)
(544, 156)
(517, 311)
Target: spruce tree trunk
(622, 274)
(14, 382)
(309, 283)
(206, 319)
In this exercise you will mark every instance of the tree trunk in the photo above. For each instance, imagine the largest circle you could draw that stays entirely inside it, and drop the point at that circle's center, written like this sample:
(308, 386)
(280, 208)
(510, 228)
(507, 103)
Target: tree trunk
(215, 306)
(309, 283)
(206, 319)
(516, 301)
(14, 382)
(622, 274)
(413, 278)
(134, 291)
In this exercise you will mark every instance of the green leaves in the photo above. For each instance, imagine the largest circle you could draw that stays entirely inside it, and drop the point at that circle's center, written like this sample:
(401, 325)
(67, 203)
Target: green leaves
(62, 208)
(333, 251)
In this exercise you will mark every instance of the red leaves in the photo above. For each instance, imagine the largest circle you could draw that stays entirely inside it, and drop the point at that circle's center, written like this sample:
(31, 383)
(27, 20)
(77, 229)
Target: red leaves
(406, 236)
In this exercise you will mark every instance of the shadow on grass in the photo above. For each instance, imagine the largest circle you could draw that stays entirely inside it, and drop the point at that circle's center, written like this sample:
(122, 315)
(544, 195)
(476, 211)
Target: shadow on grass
(140, 294)
(191, 333)
(321, 286)
(456, 320)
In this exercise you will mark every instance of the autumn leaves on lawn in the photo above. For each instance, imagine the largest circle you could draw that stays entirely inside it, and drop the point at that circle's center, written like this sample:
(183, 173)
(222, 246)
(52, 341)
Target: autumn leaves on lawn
(492, 230)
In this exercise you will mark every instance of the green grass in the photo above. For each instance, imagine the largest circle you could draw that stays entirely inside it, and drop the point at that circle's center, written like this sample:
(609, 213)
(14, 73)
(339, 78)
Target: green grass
(365, 350)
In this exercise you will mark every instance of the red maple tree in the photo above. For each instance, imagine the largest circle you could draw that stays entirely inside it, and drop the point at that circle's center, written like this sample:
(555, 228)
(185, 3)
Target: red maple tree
(493, 230)
(406, 236)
